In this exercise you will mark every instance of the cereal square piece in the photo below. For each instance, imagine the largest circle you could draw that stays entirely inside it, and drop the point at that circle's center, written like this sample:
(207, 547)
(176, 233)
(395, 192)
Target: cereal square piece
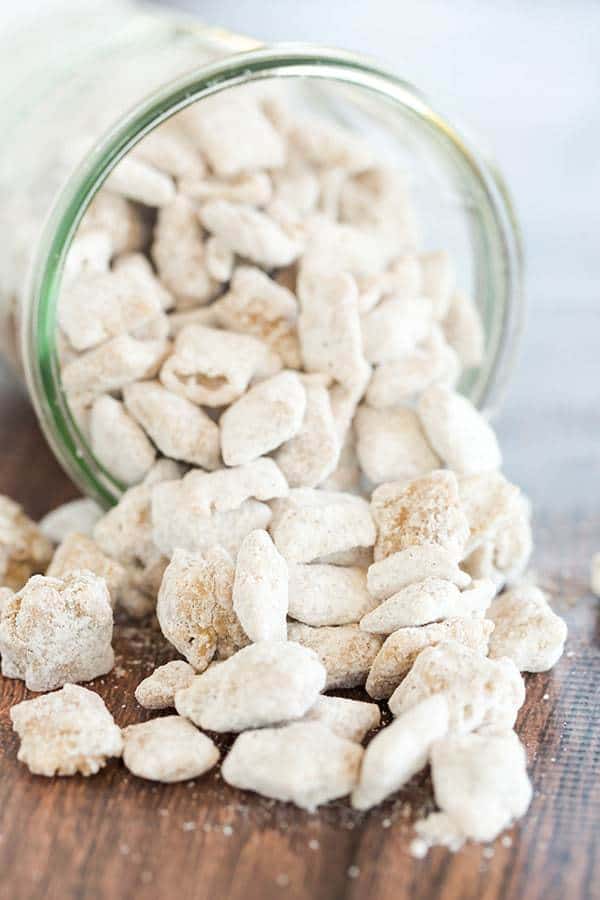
(262, 684)
(526, 629)
(480, 782)
(78, 553)
(402, 648)
(195, 606)
(481, 692)
(426, 510)
(399, 751)
(24, 548)
(303, 763)
(346, 652)
(391, 444)
(57, 630)
(260, 588)
(168, 749)
(66, 732)
(350, 719)
(158, 690)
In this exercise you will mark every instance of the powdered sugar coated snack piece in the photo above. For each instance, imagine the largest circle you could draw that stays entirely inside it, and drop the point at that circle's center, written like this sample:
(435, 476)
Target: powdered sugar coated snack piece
(391, 444)
(433, 361)
(402, 647)
(439, 281)
(24, 548)
(489, 501)
(481, 782)
(402, 280)
(137, 180)
(78, 515)
(350, 719)
(400, 751)
(96, 306)
(257, 305)
(142, 277)
(322, 594)
(311, 524)
(78, 552)
(481, 692)
(125, 531)
(118, 442)
(260, 588)
(212, 367)
(178, 249)
(303, 763)
(168, 749)
(326, 146)
(227, 489)
(313, 453)
(112, 365)
(179, 522)
(346, 652)
(250, 233)
(526, 629)
(464, 330)
(595, 574)
(55, 631)
(329, 326)
(268, 415)
(417, 604)
(5, 595)
(346, 477)
(170, 150)
(119, 218)
(176, 425)
(159, 689)
(263, 684)
(66, 732)
(195, 607)
(254, 189)
(234, 134)
(394, 328)
(389, 575)
(426, 510)
(458, 432)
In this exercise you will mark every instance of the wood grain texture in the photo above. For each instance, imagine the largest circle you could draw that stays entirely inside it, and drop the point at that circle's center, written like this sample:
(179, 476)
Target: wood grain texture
(114, 836)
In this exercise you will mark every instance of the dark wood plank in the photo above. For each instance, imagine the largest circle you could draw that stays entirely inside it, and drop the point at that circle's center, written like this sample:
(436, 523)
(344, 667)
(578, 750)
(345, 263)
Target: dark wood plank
(113, 836)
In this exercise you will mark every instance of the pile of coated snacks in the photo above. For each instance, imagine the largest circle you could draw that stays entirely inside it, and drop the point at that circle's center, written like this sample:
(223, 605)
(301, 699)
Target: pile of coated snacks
(252, 344)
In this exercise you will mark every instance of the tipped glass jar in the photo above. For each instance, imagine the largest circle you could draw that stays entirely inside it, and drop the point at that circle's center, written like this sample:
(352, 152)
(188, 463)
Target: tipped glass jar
(117, 73)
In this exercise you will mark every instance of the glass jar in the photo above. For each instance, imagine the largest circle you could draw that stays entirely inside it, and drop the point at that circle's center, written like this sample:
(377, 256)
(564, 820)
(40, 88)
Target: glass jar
(103, 79)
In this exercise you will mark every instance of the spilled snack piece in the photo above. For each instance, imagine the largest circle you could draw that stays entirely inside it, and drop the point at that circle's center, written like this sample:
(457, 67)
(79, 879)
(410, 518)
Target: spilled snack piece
(24, 548)
(480, 782)
(304, 763)
(57, 630)
(66, 732)
(262, 684)
(169, 749)
(397, 656)
(479, 691)
(350, 719)
(260, 588)
(400, 751)
(195, 606)
(158, 690)
(526, 629)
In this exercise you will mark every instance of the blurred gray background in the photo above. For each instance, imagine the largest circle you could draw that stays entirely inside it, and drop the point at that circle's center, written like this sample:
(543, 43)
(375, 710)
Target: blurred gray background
(523, 75)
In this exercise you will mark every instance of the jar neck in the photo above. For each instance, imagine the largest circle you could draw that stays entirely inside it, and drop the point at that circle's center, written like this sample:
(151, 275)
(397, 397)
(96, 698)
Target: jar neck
(494, 236)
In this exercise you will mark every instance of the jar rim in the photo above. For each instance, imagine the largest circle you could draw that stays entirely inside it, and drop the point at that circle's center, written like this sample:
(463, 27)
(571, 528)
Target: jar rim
(499, 233)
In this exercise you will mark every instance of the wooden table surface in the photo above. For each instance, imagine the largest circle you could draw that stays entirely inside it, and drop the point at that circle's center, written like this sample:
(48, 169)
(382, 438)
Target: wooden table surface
(114, 836)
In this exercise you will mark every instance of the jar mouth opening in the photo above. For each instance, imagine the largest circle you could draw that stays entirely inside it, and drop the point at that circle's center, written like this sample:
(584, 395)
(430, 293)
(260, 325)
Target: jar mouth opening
(496, 234)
